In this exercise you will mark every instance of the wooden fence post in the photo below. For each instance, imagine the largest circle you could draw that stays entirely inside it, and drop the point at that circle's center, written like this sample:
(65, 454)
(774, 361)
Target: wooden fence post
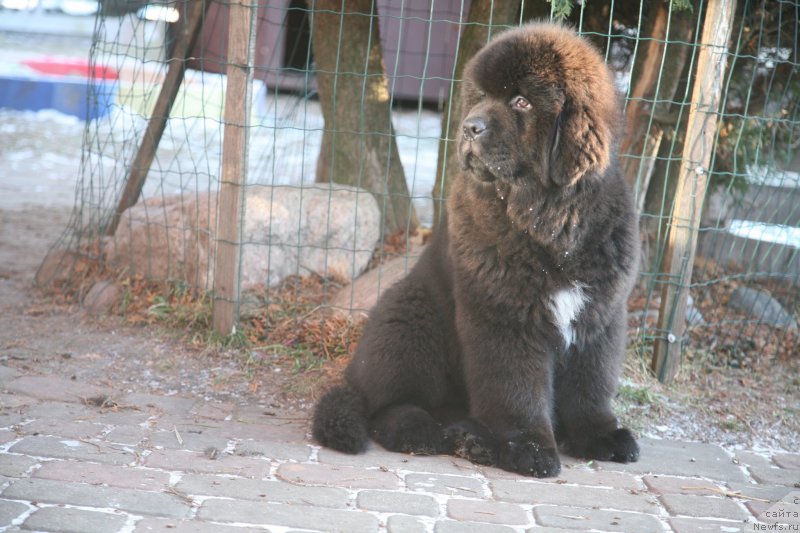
(238, 98)
(698, 148)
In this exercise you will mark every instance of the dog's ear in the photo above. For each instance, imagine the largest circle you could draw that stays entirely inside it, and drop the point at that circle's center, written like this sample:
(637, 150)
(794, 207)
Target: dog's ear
(581, 142)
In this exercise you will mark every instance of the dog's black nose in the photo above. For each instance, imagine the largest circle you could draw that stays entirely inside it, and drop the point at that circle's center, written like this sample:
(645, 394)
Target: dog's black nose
(473, 126)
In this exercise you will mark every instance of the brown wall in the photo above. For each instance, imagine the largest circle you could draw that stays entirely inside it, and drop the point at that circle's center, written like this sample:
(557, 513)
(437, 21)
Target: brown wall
(418, 46)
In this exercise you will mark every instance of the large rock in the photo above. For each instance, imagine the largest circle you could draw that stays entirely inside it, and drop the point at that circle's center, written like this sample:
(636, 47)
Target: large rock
(762, 306)
(102, 297)
(57, 267)
(360, 297)
(694, 317)
(330, 230)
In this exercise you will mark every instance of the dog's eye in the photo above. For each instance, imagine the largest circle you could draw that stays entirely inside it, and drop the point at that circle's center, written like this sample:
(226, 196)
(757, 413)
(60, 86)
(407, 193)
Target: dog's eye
(520, 102)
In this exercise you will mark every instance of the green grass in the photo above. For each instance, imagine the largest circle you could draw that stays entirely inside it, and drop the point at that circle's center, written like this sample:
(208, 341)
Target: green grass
(732, 425)
(639, 395)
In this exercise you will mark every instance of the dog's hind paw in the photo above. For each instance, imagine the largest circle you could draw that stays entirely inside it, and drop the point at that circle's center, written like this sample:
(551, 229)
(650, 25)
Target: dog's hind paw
(408, 429)
(340, 420)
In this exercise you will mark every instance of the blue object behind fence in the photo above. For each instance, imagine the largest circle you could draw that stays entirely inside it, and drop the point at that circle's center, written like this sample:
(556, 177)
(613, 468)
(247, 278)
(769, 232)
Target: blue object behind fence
(41, 87)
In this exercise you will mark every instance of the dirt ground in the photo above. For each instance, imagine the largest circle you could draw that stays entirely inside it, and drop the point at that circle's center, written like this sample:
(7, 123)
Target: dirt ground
(40, 336)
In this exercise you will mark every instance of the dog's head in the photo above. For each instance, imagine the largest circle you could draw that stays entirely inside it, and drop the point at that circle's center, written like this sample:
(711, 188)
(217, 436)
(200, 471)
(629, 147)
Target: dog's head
(539, 104)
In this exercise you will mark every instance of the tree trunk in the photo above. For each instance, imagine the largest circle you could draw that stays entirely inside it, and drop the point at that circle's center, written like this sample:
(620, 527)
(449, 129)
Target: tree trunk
(649, 146)
(486, 17)
(655, 78)
(358, 144)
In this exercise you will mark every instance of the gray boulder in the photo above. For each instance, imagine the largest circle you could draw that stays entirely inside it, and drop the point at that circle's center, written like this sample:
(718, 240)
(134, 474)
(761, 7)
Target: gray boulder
(360, 297)
(102, 297)
(325, 229)
(694, 317)
(762, 306)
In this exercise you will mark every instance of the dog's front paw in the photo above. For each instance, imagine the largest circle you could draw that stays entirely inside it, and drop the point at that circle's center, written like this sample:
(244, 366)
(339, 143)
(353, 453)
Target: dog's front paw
(618, 445)
(529, 458)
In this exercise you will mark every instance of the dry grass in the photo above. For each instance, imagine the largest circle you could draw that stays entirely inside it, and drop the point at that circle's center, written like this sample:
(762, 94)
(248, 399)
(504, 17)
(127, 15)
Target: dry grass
(398, 244)
(293, 320)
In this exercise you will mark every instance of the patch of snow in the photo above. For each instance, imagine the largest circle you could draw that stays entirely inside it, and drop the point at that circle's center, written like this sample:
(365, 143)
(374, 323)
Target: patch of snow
(761, 231)
(771, 176)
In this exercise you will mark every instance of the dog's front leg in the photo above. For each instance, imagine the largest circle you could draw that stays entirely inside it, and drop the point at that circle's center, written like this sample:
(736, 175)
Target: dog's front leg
(509, 382)
(584, 384)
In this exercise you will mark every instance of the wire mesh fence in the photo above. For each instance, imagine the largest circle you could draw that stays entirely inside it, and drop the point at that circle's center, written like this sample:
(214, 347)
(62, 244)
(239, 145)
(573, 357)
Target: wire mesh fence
(346, 113)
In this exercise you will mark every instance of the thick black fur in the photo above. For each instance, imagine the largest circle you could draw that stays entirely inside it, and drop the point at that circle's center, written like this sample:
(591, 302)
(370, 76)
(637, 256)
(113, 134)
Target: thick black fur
(508, 335)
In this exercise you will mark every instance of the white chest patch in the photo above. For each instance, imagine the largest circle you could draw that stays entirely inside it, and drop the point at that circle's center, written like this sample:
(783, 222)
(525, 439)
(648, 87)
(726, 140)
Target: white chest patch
(566, 305)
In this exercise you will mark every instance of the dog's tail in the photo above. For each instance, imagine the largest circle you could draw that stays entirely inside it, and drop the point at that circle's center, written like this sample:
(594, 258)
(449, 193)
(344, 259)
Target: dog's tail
(340, 420)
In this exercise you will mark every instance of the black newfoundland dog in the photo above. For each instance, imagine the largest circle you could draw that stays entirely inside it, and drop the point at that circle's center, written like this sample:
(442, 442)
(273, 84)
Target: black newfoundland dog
(507, 337)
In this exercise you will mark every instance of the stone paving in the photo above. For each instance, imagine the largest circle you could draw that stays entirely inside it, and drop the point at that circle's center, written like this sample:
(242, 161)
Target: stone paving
(77, 457)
